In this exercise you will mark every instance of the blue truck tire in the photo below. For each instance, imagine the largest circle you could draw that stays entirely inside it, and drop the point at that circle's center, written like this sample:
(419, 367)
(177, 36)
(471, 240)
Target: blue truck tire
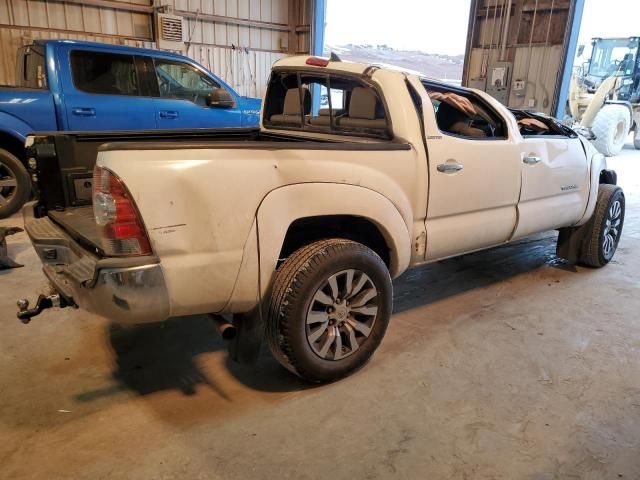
(15, 184)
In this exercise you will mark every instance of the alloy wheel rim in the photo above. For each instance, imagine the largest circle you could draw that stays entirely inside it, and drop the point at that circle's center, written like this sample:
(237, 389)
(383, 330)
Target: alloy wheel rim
(612, 229)
(341, 315)
(8, 184)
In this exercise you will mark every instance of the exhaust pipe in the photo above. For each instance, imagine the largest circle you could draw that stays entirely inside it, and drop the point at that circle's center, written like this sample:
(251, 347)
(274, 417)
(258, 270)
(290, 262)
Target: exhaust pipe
(227, 330)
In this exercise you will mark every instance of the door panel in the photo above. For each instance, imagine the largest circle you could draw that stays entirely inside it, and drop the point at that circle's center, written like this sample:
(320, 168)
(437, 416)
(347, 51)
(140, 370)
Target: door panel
(104, 93)
(555, 188)
(474, 207)
(474, 186)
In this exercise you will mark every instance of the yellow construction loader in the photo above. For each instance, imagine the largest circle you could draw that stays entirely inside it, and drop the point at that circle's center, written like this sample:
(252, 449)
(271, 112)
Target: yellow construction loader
(604, 96)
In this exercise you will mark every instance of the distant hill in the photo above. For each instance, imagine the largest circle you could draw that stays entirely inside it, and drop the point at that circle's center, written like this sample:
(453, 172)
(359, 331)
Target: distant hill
(445, 67)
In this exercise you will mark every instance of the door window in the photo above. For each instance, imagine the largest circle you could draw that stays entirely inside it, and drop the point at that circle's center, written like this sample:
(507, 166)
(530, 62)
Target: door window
(104, 73)
(183, 82)
(462, 114)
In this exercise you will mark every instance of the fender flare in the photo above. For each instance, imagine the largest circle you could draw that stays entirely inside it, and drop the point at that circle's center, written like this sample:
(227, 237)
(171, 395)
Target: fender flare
(281, 207)
(597, 165)
(15, 127)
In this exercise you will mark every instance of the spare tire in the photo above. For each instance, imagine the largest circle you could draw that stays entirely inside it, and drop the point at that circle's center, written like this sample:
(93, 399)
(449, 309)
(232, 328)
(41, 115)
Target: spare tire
(15, 184)
(611, 127)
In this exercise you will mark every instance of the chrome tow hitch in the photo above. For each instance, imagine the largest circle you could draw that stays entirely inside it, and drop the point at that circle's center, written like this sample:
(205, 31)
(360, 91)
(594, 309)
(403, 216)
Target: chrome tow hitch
(44, 302)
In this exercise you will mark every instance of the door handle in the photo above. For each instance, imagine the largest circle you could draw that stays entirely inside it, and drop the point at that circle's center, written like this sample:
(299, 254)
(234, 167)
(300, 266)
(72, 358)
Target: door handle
(169, 114)
(83, 112)
(531, 160)
(450, 167)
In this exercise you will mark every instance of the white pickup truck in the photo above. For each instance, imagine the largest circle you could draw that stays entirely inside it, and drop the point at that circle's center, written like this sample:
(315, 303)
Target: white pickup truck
(295, 230)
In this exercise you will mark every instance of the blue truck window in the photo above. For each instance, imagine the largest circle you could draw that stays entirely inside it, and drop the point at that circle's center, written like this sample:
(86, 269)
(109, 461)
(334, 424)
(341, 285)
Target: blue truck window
(183, 82)
(104, 73)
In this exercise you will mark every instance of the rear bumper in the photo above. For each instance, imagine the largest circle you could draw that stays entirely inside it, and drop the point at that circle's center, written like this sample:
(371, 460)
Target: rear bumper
(123, 290)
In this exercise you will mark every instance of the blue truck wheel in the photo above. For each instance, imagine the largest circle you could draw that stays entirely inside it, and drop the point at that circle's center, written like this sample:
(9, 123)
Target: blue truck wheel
(15, 184)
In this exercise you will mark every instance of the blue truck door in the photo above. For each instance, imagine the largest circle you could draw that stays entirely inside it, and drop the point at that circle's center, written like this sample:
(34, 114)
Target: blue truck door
(104, 92)
(182, 98)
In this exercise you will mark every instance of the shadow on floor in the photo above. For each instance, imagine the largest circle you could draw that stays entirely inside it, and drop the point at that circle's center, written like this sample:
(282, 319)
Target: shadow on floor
(156, 357)
(430, 283)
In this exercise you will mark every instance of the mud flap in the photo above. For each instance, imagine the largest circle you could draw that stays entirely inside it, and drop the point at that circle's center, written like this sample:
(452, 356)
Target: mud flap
(5, 261)
(570, 242)
(245, 347)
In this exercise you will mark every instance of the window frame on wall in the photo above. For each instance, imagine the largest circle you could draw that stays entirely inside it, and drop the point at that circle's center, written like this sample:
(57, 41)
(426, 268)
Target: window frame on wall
(77, 53)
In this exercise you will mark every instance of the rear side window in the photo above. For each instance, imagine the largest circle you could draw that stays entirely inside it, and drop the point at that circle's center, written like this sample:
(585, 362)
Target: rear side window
(104, 73)
(325, 103)
(462, 114)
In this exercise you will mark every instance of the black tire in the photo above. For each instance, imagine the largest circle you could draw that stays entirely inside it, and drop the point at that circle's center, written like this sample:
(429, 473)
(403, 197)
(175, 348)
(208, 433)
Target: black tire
(13, 196)
(636, 138)
(594, 252)
(296, 285)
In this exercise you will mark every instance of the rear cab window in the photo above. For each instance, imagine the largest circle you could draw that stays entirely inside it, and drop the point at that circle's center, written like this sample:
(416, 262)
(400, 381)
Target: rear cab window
(104, 73)
(325, 102)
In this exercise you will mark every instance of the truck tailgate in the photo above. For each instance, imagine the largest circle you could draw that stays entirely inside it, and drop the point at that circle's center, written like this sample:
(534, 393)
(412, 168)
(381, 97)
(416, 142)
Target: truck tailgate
(79, 224)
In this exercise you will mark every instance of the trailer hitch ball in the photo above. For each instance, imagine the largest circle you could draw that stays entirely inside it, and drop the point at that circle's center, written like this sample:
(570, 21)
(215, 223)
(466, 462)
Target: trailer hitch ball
(44, 301)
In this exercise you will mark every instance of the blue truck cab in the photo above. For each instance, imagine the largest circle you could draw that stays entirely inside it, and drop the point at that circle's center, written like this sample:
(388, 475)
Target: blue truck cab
(83, 86)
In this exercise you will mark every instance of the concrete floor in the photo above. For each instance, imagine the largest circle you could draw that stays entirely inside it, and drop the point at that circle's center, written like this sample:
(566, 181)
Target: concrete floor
(498, 365)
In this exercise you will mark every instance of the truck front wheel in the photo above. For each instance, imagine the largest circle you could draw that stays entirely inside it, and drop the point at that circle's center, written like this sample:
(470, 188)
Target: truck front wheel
(604, 227)
(15, 184)
(330, 307)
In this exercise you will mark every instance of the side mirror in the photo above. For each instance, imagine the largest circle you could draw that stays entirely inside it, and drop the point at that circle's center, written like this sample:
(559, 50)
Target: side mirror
(580, 50)
(220, 98)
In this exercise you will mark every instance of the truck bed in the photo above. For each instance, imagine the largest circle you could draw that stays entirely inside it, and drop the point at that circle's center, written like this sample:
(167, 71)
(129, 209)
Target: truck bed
(65, 162)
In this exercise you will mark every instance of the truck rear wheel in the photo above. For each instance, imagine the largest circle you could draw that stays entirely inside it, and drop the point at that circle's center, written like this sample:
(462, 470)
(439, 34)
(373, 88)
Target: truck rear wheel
(15, 184)
(329, 309)
(604, 227)
(611, 127)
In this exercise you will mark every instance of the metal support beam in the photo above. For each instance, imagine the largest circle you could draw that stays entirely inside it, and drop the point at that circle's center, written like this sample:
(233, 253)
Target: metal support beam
(569, 54)
(317, 26)
(206, 17)
(116, 5)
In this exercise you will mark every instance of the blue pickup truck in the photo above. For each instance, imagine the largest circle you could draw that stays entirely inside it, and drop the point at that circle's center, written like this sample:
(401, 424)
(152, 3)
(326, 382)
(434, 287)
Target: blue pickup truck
(82, 86)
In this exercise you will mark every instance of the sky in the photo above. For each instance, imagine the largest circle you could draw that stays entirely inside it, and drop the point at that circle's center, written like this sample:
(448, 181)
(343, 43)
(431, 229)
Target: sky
(426, 25)
(441, 26)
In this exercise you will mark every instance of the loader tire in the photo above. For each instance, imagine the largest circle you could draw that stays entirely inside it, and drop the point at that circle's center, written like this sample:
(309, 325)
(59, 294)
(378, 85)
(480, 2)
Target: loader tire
(611, 127)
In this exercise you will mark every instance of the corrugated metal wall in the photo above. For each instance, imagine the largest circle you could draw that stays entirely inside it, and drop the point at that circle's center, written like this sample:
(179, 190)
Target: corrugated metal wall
(240, 52)
(531, 35)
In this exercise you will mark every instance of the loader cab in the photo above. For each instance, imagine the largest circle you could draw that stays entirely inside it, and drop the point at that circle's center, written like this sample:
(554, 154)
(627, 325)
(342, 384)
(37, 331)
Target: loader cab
(615, 57)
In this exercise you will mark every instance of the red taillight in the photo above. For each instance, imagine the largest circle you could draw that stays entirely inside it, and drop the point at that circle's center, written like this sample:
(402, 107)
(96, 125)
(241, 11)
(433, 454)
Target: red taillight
(118, 219)
(317, 61)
